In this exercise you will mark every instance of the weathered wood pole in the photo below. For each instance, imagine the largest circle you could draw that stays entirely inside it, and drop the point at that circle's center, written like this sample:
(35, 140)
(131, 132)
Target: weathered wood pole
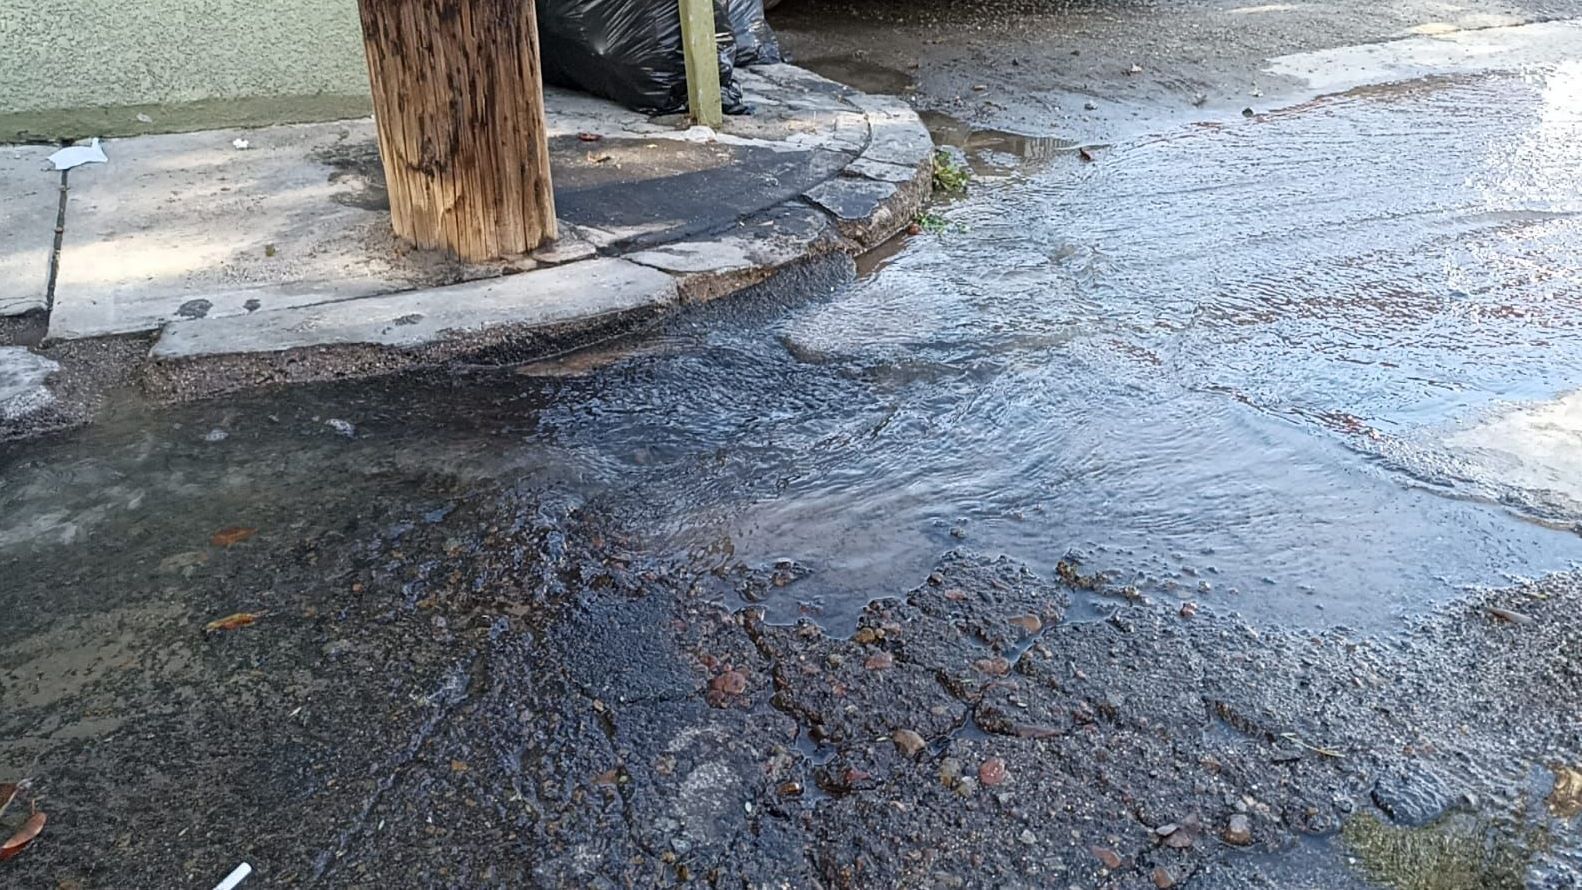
(459, 101)
(702, 55)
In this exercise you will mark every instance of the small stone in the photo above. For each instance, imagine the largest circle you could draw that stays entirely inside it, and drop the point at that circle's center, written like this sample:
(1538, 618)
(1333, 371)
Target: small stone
(1090, 105)
(907, 742)
(949, 771)
(994, 667)
(879, 661)
(866, 635)
(834, 660)
(1188, 610)
(1166, 829)
(216, 435)
(1028, 838)
(992, 772)
(732, 682)
(344, 427)
(791, 789)
(1163, 879)
(1239, 831)
(936, 579)
(1029, 623)
(1110, 858)
(967, 787)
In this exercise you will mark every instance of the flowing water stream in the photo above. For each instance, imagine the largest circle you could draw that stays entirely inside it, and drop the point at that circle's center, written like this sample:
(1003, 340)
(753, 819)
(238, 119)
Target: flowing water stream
(1224, 362)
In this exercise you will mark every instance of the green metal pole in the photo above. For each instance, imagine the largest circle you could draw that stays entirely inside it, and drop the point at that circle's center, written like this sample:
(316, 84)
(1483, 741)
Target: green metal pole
(703, 62)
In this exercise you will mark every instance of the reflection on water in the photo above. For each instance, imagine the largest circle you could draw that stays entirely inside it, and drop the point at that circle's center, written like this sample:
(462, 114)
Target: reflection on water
(1217, 364)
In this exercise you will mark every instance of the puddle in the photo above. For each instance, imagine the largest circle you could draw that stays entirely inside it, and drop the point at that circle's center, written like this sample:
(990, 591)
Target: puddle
(995, 152)
(860, 74)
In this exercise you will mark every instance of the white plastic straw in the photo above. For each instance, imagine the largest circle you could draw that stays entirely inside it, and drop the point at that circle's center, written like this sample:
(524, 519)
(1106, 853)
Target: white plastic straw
(235, 877)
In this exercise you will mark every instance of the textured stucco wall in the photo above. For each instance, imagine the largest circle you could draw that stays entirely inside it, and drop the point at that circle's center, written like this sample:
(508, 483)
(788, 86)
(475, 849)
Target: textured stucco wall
(64, 54)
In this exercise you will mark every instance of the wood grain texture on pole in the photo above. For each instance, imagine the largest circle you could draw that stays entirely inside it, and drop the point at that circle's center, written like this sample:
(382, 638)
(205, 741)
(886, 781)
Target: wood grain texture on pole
(702, 54)
(459, 102)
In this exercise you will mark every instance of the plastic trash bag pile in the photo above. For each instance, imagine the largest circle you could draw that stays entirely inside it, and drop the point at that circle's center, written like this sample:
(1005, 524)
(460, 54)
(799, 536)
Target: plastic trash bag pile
(630, 51)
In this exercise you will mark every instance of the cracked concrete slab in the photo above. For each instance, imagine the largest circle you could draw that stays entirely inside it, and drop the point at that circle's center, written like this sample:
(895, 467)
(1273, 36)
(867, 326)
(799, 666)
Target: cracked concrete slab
(190, 225)
(898, 136)
(850, 199)
(710, 268)
(29, 203)
(575, 292)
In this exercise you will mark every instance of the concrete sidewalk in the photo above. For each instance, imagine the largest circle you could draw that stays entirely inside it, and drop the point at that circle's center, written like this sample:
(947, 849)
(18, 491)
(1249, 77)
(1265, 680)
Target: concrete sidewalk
(264, 255)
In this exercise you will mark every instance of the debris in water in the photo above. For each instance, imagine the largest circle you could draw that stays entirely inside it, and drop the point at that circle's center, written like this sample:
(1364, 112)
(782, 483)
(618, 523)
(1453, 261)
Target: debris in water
(233, 622)
(1565, 801)
(344, 427)
(241, 144)
(144, 119)
(231, 534)
(74, 156)
(589, 137)
(1084, 154)
(1509, 616)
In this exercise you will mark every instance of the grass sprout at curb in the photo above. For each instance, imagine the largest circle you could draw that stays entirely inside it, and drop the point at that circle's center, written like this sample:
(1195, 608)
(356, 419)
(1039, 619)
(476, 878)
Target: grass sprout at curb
(950, 177)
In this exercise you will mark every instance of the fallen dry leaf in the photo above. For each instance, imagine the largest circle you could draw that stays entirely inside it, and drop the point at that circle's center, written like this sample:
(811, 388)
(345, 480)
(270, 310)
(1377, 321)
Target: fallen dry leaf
(235, 534)
(589, 137)
(232, 622)
(24, 836)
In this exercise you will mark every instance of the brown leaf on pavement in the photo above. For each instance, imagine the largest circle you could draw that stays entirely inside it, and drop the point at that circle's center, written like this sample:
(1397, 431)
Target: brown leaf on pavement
(232, 622)
(24, 836)
(230, 535)
(589, 137)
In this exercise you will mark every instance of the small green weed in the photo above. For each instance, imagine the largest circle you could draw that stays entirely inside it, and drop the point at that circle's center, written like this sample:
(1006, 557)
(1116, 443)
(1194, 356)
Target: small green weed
(949, 176)
(931, 223)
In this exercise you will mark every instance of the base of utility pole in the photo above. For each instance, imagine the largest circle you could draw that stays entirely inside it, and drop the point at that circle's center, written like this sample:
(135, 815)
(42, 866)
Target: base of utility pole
(459, 102)
(701, 51)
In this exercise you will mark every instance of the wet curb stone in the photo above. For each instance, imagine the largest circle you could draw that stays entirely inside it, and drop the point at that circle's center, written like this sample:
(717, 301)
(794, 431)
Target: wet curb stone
(584, 299)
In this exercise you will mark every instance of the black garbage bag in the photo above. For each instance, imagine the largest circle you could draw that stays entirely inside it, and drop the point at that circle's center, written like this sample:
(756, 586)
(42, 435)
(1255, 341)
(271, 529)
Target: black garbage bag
(628, 51)
(756, 44)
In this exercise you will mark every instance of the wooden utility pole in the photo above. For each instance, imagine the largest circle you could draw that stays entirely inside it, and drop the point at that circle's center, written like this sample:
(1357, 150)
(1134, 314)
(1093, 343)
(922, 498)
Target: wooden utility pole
(459, 100)
(702, 54)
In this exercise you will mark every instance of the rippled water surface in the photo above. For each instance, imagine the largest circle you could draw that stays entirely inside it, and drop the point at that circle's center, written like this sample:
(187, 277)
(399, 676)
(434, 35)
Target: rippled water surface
(1220, 363)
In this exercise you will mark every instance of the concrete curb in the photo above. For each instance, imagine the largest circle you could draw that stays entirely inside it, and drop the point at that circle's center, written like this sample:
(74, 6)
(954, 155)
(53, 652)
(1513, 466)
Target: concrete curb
(548, 310)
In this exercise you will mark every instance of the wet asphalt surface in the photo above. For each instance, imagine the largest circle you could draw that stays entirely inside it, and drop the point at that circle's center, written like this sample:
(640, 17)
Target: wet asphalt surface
(1142, 526)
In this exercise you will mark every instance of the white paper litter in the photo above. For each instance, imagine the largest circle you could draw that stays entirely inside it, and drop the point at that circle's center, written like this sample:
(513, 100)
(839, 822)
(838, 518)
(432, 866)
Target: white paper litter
(77, 155)
(240, 144)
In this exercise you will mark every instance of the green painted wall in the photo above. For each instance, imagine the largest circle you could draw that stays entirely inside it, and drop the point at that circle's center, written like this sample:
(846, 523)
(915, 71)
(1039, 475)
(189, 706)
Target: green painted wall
(94, 65)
